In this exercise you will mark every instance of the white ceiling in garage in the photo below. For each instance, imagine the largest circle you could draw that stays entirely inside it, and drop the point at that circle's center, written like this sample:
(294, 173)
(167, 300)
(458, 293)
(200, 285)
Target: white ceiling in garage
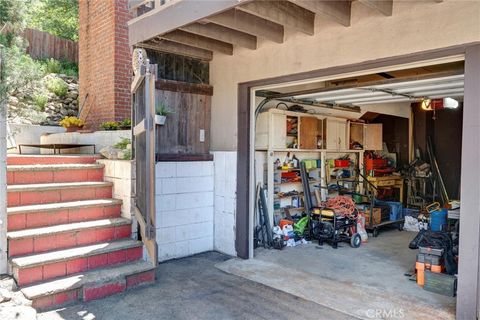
(416, 90)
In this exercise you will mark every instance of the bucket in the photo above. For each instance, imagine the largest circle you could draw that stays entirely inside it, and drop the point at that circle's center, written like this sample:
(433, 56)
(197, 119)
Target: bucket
(438, 219)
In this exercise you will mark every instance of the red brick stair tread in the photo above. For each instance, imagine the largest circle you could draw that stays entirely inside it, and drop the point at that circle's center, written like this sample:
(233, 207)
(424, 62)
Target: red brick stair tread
(62, 206)
(55, 167)
(76, 226)
(54, 186)
(72, 253)
(94, 277)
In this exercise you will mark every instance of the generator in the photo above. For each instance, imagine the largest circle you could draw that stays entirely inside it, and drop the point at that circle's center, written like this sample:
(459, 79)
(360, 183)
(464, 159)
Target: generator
(327, 226)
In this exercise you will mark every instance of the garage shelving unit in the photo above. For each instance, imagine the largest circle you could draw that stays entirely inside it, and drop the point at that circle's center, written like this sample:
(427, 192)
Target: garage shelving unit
(315, 137)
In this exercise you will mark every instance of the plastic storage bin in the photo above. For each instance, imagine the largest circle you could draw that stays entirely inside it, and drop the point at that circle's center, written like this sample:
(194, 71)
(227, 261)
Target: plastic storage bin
(396, 212)
(438, 220)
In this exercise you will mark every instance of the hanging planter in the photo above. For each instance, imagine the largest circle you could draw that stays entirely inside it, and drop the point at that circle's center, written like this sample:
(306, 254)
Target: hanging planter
(161, 113)
(160, 120)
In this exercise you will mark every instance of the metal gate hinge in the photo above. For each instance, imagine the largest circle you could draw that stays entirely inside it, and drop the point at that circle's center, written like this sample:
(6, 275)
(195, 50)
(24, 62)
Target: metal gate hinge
(150, 232)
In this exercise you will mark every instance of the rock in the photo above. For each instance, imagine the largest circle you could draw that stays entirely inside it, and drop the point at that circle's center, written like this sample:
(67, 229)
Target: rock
(8, 283)
(72, 95)
(10, 312)
(13, 101)
(5, 295)
(110, 152)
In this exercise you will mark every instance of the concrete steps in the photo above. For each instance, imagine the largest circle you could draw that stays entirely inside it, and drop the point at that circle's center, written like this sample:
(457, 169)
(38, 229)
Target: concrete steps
(67, 240)
(90, 285)
(45, 266)
(28, 194)
(67, 235)
(53, 173)
(50, 159)
(50, 214)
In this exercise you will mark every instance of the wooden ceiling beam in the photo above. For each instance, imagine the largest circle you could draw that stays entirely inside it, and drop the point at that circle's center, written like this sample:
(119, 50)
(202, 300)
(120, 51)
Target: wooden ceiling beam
(177, 48)
(248, 23)
(340, 10)
(214, 31)
(194, 40)
(383, 6)
(282, 12)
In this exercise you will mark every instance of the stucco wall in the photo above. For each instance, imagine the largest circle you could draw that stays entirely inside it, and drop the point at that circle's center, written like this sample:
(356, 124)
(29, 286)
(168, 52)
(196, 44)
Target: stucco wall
(100, 139)
(414, 27)
(30, 134)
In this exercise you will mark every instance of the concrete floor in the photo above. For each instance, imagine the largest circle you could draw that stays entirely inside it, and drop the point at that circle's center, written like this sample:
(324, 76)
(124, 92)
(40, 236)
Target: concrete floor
(355, 281)
(192, 288)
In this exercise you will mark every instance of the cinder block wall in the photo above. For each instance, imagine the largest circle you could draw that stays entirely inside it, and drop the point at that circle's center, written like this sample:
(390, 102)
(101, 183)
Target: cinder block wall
(104, 61)
(225, 201)
(184, 208)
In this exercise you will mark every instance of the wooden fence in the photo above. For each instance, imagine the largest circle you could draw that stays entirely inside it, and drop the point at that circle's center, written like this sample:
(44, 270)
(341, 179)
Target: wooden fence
(45, 45)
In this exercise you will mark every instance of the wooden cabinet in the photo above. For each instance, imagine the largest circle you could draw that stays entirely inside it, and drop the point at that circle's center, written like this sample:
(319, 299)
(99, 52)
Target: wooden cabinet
(336, 134)
(310, 132)
(279, 129)
(373, 137)
(368, 135)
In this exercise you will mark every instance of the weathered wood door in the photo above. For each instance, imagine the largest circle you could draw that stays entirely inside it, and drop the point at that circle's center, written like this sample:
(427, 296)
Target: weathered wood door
(143, 113)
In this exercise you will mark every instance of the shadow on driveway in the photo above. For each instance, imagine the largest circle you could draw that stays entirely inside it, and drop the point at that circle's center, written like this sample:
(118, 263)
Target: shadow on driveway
(192, 288)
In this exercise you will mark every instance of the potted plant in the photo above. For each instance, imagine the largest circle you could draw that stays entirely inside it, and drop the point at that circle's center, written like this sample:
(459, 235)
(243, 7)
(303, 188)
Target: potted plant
(161, 113)
(125, 124)
(109, 126)
(72, 124)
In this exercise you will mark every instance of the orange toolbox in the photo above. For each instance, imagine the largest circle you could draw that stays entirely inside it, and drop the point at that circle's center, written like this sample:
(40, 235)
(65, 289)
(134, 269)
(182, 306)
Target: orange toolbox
(427, 262)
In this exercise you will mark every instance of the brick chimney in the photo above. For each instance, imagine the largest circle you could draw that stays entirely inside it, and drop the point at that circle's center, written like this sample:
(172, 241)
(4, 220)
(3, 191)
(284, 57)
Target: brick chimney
(104, 61)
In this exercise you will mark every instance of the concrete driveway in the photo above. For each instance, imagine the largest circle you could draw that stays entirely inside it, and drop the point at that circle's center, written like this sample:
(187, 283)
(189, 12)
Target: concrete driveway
(192, 288)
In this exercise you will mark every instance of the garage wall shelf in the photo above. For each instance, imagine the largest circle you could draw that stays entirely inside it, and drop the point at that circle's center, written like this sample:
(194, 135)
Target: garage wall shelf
(283, 130)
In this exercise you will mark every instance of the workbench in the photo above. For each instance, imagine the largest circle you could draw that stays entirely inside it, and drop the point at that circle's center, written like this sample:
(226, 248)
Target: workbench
(387, 182)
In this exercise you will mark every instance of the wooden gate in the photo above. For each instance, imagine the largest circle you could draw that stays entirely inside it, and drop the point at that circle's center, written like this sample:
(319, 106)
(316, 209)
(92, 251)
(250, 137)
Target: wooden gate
(143, 112)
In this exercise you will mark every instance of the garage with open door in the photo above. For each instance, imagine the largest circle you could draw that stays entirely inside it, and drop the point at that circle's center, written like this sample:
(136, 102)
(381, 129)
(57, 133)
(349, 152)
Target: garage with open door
(357, 189)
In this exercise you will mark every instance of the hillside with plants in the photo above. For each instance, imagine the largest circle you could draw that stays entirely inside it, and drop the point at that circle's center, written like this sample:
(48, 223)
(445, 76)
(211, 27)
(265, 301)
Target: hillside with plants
(38, 91)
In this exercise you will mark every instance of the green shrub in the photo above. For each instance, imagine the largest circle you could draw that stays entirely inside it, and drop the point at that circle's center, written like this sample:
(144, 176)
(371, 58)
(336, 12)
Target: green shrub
(127, 155)
(40, 100)
(109, 126)
(59, 67)
(57, 86)
(52, 66)
(122, 145)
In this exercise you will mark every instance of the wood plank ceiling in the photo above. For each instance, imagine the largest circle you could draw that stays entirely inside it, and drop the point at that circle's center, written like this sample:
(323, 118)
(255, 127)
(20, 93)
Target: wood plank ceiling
(265, 19)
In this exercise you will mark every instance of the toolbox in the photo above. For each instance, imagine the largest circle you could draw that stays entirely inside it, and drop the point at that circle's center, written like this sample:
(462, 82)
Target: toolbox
(431, 251)
(440, 283)
(422, 267)
(429, 259)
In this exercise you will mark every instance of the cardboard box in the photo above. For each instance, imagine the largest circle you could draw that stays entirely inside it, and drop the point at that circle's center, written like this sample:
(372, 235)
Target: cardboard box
(377, 216)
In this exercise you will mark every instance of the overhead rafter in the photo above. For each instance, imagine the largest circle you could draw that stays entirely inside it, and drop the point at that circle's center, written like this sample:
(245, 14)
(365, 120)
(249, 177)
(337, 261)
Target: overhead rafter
(282, 12)
(222, 33)
(197, 41)
(177, 48)
(248, 23)
(171, 16)
(340, 11)
(384, 6)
